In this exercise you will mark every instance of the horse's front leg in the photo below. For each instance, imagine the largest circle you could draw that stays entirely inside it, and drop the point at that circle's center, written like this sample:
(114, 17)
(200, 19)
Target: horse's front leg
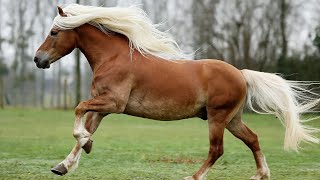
(102, 105)
(71, 161)
(91, 125)
(97, 108)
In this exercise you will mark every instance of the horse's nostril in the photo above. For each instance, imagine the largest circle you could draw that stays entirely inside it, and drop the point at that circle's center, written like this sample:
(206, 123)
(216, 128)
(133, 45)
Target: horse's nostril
(36, 60)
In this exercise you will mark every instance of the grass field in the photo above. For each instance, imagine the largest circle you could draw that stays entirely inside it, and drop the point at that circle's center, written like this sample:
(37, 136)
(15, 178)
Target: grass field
(32, 141)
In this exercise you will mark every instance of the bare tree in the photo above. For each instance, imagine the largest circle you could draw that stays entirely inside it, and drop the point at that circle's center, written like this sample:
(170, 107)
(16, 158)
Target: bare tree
(21, 26)
(204, 21)
(245, 33)
(284, 9)
(3, 67)
(157, 10)
(78, 73)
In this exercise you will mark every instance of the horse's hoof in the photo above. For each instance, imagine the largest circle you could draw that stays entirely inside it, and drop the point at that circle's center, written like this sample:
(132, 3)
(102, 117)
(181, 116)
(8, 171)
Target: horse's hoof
(88, 146)
(59, 170)
(259, 177)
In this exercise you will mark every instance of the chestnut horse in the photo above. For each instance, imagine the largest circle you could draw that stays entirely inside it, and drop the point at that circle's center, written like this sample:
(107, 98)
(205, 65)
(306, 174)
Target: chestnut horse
(131, 75)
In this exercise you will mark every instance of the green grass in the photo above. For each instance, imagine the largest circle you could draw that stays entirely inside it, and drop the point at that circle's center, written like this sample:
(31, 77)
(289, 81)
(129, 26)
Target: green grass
(32, 141)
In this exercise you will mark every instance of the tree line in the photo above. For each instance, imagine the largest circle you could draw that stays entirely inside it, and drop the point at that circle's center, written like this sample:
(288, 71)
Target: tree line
(263, 35)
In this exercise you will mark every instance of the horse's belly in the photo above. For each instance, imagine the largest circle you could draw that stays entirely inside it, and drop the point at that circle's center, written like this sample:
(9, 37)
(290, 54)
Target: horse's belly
(163, 109)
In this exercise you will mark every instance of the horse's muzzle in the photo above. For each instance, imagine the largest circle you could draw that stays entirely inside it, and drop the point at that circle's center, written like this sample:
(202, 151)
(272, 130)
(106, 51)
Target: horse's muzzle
(41, 61)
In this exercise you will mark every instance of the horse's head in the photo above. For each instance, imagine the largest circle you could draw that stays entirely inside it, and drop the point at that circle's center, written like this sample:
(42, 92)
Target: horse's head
(57, 44)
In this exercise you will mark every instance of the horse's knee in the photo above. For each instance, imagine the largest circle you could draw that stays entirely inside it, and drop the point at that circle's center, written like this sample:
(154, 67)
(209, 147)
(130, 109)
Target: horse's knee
(80, 109)
(81, 136)
(80, 132)
(76, 133)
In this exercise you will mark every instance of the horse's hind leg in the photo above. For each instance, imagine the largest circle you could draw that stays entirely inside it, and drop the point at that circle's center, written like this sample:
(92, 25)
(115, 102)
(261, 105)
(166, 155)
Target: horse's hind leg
(71, 161)
(241, 131)
(217, 120)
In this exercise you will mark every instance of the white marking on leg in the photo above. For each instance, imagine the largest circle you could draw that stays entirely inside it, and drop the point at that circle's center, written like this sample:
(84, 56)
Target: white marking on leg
(80, 133)
(72, 160)
(75, 164)
(263, 172)
(204, 174)
(264, 166)
(188, 178)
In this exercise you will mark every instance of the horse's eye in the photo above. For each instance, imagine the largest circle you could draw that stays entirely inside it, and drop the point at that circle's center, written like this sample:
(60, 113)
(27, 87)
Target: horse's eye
(53, 33)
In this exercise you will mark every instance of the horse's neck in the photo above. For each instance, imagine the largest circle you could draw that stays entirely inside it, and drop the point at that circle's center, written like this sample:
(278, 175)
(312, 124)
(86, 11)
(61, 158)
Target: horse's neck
(98, 47)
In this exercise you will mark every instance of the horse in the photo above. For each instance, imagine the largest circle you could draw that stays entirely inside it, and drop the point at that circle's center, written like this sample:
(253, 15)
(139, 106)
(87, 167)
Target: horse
(136, 71)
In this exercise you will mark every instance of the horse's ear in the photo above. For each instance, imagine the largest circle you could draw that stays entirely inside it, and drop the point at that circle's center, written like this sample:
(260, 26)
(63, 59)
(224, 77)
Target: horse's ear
(60, 11)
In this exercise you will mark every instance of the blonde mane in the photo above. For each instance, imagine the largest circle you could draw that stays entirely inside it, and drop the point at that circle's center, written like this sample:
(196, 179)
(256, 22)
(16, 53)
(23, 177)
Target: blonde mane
(132, 22)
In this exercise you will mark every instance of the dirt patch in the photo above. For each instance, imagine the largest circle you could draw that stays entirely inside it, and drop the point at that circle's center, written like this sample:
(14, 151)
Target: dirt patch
(177, 160)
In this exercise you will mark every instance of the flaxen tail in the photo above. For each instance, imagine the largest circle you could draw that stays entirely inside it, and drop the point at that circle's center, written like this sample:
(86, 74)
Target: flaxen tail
(287, 100)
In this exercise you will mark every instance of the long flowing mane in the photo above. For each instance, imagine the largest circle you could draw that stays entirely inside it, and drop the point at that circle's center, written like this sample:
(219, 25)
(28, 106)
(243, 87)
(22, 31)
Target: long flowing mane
(132, 22)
